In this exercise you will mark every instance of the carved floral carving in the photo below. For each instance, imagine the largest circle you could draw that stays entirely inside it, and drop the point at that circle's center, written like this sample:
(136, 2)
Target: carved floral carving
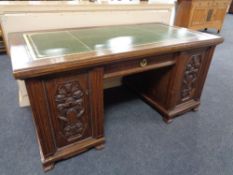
(190, 77)
(70, 106)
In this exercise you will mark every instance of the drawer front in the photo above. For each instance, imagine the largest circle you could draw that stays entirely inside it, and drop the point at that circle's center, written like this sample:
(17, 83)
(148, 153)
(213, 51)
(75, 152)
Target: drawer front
(218, 4)
(199, 16)
(137, 65)
(202, 4)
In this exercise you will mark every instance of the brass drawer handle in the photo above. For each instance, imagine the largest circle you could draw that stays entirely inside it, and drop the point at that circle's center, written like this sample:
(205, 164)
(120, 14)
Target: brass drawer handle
(143, 63)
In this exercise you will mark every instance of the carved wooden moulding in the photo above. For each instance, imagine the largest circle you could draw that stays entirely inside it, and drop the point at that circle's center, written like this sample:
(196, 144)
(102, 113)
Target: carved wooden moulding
(190, 77)
(70, 109)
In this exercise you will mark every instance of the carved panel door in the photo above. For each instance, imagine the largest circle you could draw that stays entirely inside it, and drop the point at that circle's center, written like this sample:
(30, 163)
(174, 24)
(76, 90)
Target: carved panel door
(70, 101)
(192, 75)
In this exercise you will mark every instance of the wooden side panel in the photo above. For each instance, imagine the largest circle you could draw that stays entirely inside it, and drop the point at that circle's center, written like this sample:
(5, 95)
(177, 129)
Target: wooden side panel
(96, 101)
(158, 84)
(41, 116)
(204, 71)
(183, 7)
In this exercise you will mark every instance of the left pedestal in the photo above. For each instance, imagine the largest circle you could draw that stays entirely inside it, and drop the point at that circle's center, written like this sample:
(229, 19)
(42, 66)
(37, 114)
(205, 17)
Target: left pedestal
(68, 113)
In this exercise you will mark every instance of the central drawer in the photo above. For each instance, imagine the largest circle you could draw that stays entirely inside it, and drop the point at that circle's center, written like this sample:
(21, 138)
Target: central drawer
(136, 65)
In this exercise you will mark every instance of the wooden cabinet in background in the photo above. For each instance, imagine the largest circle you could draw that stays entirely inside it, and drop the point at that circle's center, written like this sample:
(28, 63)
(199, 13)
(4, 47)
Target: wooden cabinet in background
(231, 8)
(2, 45)
(201, 14)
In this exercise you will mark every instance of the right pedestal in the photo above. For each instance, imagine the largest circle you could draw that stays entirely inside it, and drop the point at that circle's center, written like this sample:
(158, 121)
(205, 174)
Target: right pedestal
(177, 89)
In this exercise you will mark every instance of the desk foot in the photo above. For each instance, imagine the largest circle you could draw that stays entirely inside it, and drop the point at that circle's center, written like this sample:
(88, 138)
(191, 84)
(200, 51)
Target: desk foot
(48, 166)
(100, 147)
(196, 109)
(167, 121)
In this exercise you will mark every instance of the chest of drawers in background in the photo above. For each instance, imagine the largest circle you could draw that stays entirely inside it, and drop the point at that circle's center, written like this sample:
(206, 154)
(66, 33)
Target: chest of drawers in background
(2, 45)
(201, 14)
(231, 8)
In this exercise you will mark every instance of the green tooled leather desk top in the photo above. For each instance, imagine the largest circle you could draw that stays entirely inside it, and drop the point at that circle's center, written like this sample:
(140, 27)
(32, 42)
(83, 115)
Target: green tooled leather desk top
(114, 38)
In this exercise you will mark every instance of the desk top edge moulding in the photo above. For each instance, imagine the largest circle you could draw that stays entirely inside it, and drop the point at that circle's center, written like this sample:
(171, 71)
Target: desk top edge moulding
(64, 72)
(33, 63)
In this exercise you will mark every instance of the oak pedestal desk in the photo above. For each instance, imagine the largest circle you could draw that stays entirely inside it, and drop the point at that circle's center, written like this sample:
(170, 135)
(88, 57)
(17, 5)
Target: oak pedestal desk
(65, 70)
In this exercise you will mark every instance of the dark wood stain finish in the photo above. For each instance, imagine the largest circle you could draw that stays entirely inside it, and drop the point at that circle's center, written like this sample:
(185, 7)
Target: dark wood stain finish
(67, 96)
(68, 110)
(175, 89)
